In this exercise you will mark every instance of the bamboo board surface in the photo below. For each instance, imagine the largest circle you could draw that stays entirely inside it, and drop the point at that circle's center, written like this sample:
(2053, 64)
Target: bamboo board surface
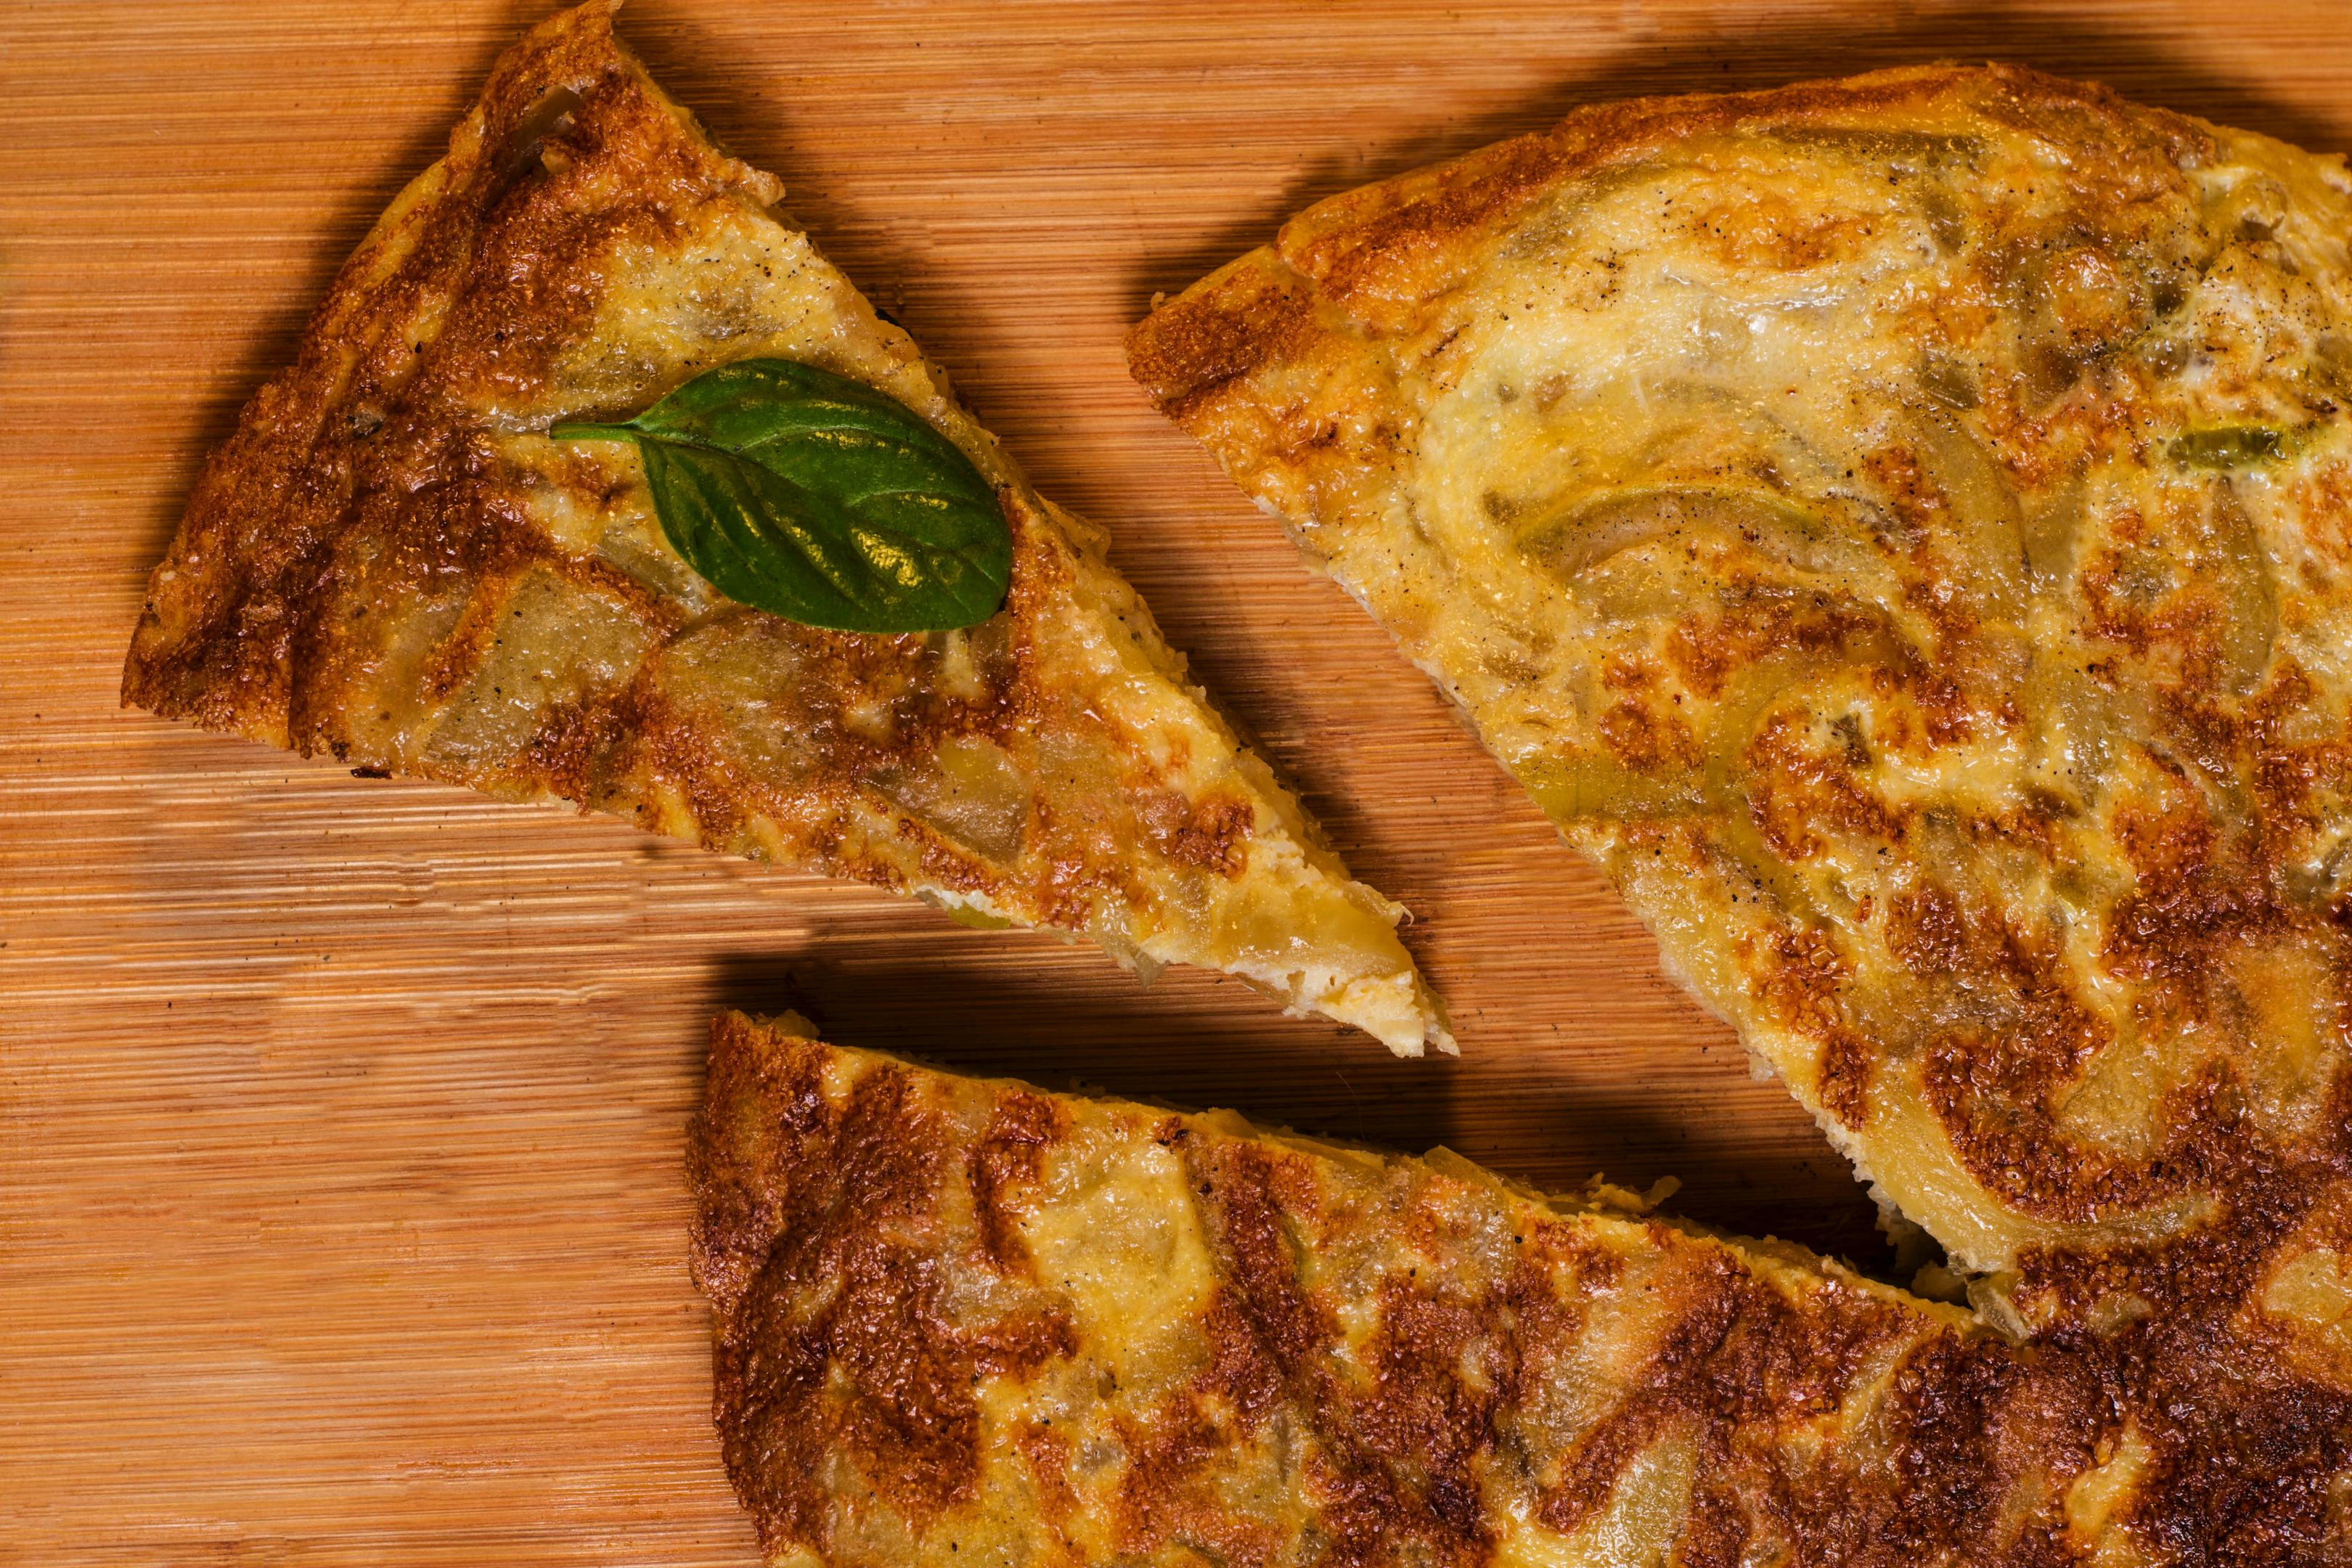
(341, 1217)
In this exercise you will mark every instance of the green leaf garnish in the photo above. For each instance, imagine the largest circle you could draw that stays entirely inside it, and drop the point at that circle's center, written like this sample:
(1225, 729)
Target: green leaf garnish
(818, 499)
(2229, 447)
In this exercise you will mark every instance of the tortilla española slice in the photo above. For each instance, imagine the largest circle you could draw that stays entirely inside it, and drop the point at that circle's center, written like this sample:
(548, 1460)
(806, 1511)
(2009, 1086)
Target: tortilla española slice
(974, 1324)
(1902, 529)
(390, 562)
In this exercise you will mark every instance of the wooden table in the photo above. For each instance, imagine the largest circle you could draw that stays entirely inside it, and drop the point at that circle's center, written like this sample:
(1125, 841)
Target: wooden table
(341, 1211)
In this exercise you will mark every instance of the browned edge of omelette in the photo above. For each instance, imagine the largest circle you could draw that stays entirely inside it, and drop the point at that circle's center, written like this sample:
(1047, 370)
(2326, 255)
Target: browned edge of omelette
(1377, 253)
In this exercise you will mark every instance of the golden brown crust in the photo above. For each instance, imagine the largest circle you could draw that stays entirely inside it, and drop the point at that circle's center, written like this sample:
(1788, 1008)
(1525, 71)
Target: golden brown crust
(960, 1318)
(1377, 252)
(388, 562)
(1899, 527)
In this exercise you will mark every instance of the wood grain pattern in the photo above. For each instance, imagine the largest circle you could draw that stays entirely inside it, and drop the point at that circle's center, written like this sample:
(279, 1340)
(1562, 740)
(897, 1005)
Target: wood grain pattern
(340, 1215)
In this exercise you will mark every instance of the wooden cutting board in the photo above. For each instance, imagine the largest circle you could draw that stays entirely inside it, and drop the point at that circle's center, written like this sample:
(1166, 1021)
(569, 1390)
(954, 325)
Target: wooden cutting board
(341, 1210)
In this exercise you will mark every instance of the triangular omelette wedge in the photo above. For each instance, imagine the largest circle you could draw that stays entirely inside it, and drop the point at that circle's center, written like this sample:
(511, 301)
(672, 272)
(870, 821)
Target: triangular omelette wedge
(391, 563)
(960, 1320)
(1901, 528)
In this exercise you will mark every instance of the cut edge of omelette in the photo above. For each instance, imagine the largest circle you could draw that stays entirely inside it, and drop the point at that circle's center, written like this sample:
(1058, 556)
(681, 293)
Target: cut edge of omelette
(494, 296)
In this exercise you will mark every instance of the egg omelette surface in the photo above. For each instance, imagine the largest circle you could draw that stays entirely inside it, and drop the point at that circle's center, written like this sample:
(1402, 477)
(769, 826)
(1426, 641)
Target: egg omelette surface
(974, 1324)
(1900, 528)
(389, 562)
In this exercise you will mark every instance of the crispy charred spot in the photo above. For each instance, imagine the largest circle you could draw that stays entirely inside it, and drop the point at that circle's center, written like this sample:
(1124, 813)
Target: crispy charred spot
(1211, 834)
(1540, 1310)
(1253, 314)
(1978, 1428)
(1997, 1084)
(1925, 931)
(1799, 975)
(763, 1108)
(1252, 1233)
(2245, 1451)
(1849, 1065)
(524, 143)
(1707, 650)
(1047, 1453)
(1388, 1463)
(1802, 791)
(1008, 1156)
(1644, 738)
(774, 1360)
(836, 1331)
(909, 1421)
(2194, 900)
(572, 748)
(1243, 1374)
(1420, 1414)
(1012, 1345)
(1168, 1493)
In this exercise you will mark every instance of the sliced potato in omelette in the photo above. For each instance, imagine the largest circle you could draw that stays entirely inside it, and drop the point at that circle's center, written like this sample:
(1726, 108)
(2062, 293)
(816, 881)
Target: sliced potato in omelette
(1902, 528)
(390, 562)
(962, 1322)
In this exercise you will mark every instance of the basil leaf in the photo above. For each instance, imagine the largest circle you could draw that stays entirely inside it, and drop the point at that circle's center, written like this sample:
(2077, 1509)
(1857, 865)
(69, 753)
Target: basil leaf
(816, 498)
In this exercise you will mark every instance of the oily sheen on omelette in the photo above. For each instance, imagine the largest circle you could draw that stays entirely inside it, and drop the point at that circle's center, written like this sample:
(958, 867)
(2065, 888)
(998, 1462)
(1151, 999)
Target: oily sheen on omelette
(391, 563)
(1900, 528)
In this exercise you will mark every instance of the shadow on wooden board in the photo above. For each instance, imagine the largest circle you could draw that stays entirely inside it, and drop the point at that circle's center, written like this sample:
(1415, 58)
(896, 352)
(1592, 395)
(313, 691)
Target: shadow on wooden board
(1315, 1075)
(1316, 1078)
(1751, 49)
